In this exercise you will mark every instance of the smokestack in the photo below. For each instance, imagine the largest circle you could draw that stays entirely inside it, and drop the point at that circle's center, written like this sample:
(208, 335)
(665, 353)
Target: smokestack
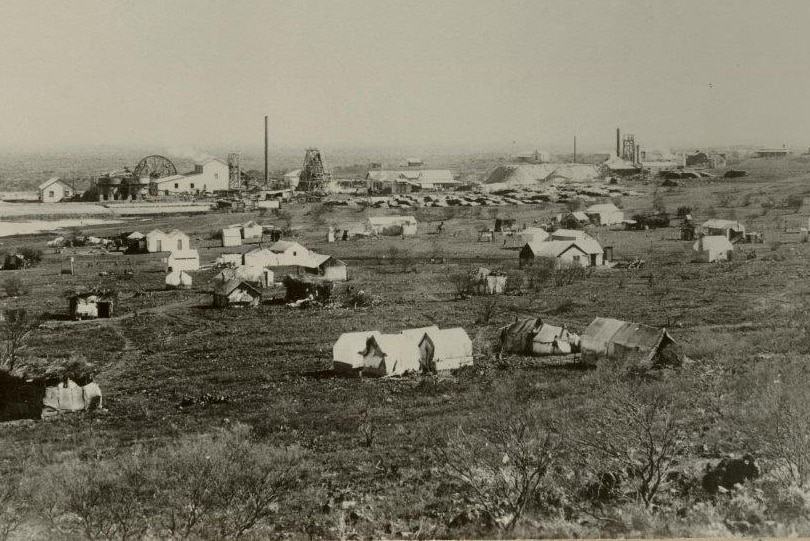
(266, 156)
(618, 137)
(575, 149)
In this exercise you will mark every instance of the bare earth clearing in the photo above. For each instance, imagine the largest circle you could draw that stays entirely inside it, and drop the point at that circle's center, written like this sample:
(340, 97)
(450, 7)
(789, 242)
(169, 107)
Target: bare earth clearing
(272, 364)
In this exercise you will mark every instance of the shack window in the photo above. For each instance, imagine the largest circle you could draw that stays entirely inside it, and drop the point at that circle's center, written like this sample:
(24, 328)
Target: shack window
(192, 185)
(179, 244)
(576, 259)
(176, 185)
(50, 193)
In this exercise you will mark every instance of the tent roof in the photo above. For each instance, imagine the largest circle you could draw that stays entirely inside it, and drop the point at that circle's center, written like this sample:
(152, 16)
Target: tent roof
(135, 235)
(185, 254)
(415, 335)
(602, 329)
(562, 234)
(521, 327)
(450, 343)
(553, 248)
(283, 246)
(723, 224)
(156, 232)
(548, 333)
(603, 207)
(228, 286)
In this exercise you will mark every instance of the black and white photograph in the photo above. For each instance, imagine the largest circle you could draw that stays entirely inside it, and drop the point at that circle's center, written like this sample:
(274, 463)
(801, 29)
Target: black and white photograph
(311, 270)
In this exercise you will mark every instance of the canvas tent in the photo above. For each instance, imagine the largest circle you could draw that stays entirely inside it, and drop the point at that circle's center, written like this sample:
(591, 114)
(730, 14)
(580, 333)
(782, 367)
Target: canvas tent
(231, 236)
(607, 338)
(390, 354)
(445, 349)
(184, 260)
(713, 248)
(533, 336)
(26, 397)
(347, 353)
(605, 214)
(259, 276)
(67, 396)
(178, 280)
(489, 282)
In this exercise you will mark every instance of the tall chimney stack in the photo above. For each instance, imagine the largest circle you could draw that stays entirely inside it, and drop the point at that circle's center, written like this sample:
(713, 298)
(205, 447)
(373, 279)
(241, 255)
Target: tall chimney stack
(575, 149)
(266, 156)
(618, 142)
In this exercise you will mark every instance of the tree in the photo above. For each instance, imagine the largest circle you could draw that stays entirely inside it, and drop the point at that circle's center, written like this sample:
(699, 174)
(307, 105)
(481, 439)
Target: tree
(14, 287)
(14, 332)
(632, 440)
(501, 466)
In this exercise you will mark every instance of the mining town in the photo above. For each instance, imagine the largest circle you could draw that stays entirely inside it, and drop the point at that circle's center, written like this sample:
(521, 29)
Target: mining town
(456, 270)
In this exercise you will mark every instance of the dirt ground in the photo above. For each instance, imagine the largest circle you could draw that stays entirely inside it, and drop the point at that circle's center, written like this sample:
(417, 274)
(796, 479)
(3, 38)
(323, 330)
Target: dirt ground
(272, 363)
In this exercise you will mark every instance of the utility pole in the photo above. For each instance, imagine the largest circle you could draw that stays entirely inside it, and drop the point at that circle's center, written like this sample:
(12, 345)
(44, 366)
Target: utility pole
(266, 156)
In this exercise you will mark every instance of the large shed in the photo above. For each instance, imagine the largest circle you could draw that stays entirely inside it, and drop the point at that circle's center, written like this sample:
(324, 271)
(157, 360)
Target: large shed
(605, 214)
(607, 338)
(183, 260)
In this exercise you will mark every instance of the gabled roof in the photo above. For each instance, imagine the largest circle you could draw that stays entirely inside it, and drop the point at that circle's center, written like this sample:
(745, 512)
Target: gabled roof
(156, 233)
(170, 178)
(283, 246)
(536, 231)
(564, 234)
(52, 180)
(415, 335)
(450, 343)
(176, 233)
(603, 207)
(723, 224)
(184, 254)
(553, 248)
(548, 333)
(227, 287)
(135, 235)
(602, 332)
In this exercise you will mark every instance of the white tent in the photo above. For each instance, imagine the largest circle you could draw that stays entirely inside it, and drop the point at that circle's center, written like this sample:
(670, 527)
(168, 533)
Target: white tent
(445, 349)
(231, 236)
(347, 353)
(713, 248)
(178, 279)
(188, 260)
(390, 354)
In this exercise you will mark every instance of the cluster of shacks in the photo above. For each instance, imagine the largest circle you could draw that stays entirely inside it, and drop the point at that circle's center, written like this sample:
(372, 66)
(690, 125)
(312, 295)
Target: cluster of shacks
(425, 349)
(605, 338)
(295, 256)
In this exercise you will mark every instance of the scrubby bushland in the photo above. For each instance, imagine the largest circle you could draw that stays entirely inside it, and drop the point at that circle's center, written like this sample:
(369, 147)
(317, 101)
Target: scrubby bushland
(13, 286)
(33, 256)
(500, 466)
(220, 485)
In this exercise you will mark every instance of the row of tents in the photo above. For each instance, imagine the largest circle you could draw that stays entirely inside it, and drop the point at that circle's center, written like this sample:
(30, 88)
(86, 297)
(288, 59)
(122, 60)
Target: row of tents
(604, 338)
(424, 349)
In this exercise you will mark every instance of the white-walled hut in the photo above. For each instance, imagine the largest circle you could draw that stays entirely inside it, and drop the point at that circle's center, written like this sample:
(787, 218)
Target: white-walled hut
(183, 260)
(390, 354)
(178, 280)
(445, 349)
(628, 342)
(713, 248)
(92, 304)
(730, 229)
(347, 353)
(231, 236)
(236, 293)
(534, 234)
(563, 253)
(252, 231)
(177, 241)
(326, 266)
(156, 241)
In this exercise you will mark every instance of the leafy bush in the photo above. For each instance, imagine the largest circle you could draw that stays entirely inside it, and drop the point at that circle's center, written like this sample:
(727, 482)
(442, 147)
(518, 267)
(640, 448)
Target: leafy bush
(14, 287)
(33, 256)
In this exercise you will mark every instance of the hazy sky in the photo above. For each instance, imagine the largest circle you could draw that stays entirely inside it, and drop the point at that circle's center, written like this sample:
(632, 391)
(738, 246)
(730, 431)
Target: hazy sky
(371, 72)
